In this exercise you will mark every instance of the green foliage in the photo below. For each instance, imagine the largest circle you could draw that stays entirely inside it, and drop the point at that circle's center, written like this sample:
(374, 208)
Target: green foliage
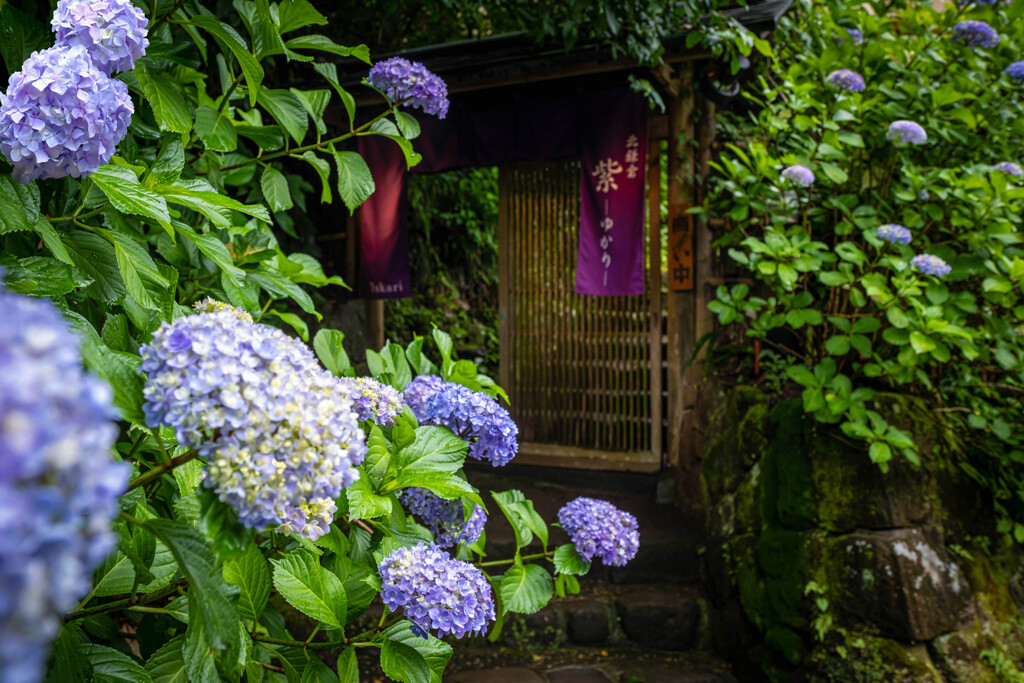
(846, 313)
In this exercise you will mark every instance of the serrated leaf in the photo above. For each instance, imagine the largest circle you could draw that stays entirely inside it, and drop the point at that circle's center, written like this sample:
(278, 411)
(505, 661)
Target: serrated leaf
(229, 38)
(169, 105)
(267, 138)
(568, 561)
(275, 190)
(330, 349)
(111, 666)
(200, 196)
(20, 35)
(143, 280)
(287, 110)
(435, 449)
(526, 588)
(408, 125)
(309, 588)
(127, 194)
(13, 214)
(403, 663)
(355, 182)
(435, 652)
(215, 129)
(167, 665)
(323, 169)
(363, 503)
(295, 14)
(348, 666)
(170, 160)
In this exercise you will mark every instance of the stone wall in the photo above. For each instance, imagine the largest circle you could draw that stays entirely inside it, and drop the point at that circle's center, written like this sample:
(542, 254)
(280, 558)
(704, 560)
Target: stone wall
(824, 568)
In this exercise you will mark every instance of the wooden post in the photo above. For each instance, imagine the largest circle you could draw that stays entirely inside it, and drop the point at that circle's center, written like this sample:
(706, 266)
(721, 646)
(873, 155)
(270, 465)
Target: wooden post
(681, 304)
(505, 302)
(705, 276)
(375, 314)
(654, 287)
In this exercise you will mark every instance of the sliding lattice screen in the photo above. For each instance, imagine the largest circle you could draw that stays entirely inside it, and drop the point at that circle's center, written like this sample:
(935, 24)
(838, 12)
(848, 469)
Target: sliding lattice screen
(577, 367)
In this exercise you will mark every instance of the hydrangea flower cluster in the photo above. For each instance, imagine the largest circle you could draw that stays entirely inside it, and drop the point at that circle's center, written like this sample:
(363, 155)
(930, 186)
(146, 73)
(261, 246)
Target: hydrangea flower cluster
(906, 133)
(856, 35)
(474, 416)
(892, 232)
(801, 175)
(279, 433)
(932, 265)
(923, 195)
(410, 83)
(599, 529)
(975, 34)
(112, 31)
(61, 115)
(444, 518)
(1015, 71)
(58, 484)
(846, 79)
(1009, 168)
(373, 400)
(437, 592)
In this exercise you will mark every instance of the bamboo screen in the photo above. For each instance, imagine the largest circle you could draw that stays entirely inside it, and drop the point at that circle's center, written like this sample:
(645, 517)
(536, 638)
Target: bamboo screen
(577, 367)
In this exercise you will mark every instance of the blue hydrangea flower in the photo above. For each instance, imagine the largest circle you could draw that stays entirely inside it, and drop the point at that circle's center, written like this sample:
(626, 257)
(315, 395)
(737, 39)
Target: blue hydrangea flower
(411, 84)
(58, 483)
(975, 34)
(1009, 168)
(474, 416)
(846, 79)
(61, 115)
(279, 433)
(892, 232)
(923, 195)
(906, 133)
(1015, 71)
(113, 32)
(599, 529)
(438, 593)
(373, 401)
(932, 265)
(801, 175)
(444, 518)
(854, 34)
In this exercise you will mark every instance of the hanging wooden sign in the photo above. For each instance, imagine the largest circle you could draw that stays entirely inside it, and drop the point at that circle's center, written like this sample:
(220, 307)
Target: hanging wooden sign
(680, 248)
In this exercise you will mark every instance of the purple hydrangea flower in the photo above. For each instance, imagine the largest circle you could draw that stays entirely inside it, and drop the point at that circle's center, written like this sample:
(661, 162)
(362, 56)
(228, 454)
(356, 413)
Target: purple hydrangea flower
(474, 416)
(279, 433)
(61, 115)
(906, 132)
(932, 265)
(975, 34)
(438, 593)
(445, 518)
(923, 195)
(410, 83)
(801, 175)
(113, 32)
(373, 401)
(599, 529)
(892, 232)
(1015, 71)
(1009, 168)
(846, 79)
(58, 483)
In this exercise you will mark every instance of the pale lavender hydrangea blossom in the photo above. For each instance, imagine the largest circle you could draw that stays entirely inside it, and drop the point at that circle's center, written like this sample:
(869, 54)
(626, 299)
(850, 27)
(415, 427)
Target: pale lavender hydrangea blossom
(975, 34)
(58, 482)
(62, 115)
(932, 265)
(411, 84)
(472, 415)
(1009, 168)
(801, 175)
(373, 400)
(599, 529)
(1015, 71)
(846, 79)
(279, 434)
(112, 31)
(444, 518)
(907, 132)
(438, 593)
(893, 232)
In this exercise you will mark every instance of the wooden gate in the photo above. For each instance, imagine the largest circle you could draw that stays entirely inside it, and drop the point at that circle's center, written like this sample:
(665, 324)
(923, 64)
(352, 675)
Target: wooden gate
(577, 368)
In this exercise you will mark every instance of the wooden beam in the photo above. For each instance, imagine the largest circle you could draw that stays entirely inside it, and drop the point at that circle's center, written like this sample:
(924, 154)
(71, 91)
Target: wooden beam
(680, 305)
(549, 455)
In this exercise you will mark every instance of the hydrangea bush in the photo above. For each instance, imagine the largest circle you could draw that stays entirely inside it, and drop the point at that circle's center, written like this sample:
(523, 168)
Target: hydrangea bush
(899, 269)
(149, 169)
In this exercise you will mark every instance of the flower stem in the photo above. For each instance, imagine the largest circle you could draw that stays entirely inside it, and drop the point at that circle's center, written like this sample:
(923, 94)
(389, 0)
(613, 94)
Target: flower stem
(162, 469)
(535, 556)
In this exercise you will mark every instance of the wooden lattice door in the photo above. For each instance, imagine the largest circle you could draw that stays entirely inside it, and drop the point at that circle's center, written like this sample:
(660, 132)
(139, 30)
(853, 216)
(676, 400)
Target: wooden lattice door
(577, 368)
